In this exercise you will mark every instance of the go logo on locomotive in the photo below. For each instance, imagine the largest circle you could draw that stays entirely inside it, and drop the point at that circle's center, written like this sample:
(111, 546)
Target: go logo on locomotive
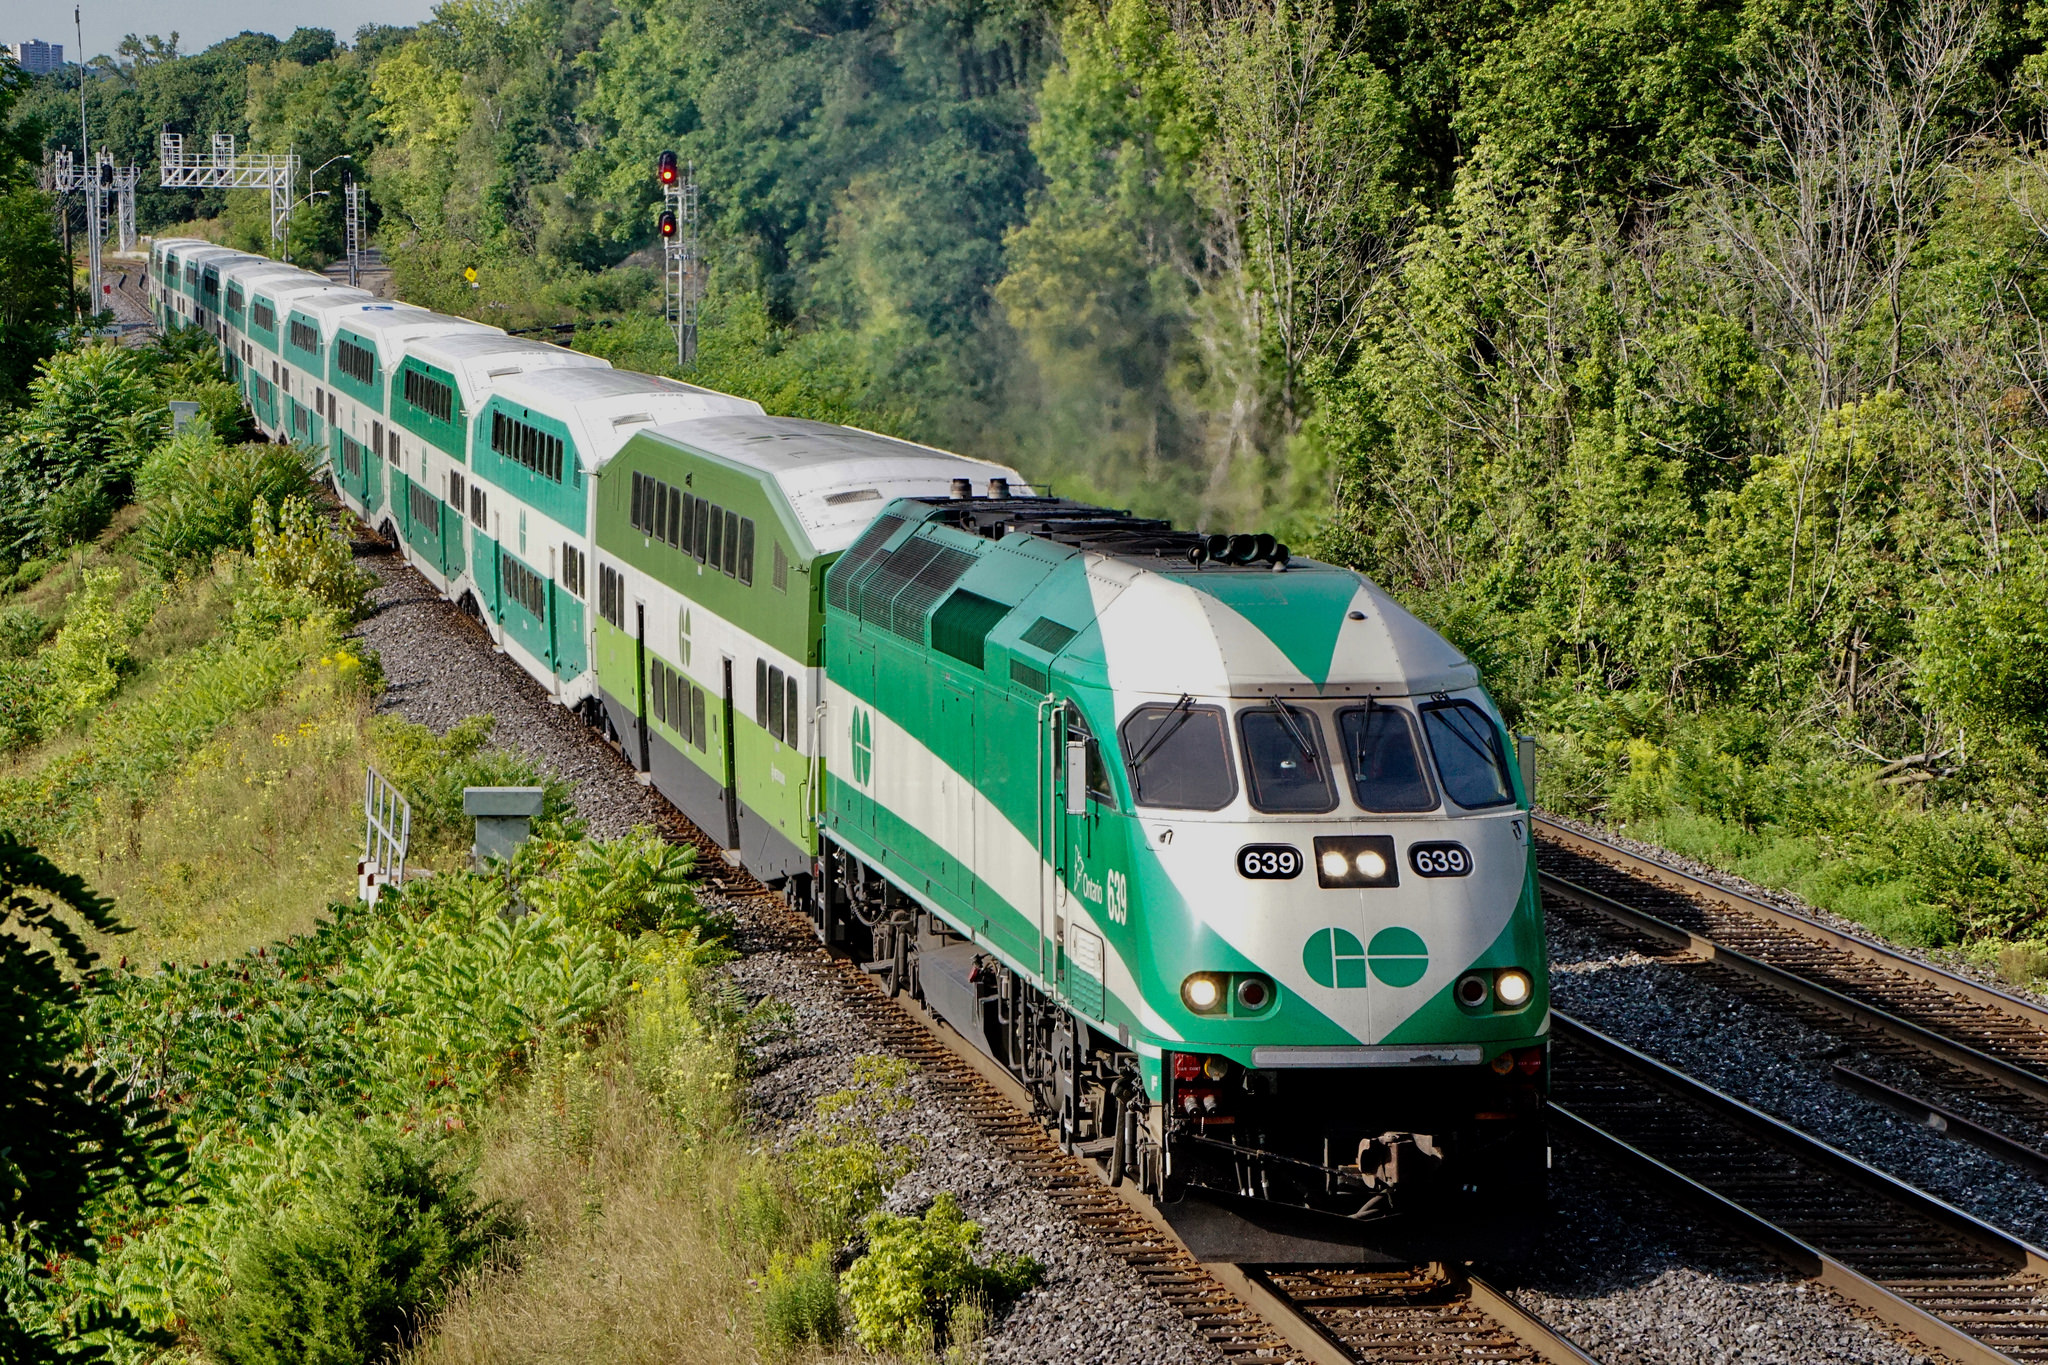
(1334, 958)
(863, 735)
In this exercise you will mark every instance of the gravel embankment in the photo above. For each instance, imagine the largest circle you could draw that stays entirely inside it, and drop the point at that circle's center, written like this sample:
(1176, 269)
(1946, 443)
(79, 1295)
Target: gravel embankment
(1631, 1280)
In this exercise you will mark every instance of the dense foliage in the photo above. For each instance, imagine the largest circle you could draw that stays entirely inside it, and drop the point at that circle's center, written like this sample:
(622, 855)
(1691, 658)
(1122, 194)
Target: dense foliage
(83, 1147)
(1681, 360)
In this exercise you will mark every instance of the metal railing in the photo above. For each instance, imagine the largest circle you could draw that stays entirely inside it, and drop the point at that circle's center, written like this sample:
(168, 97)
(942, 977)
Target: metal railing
(387, 833)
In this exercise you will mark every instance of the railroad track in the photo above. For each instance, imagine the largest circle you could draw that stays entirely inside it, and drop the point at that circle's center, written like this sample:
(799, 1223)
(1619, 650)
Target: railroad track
(1981, 1055)
(1333, 1316)
(1961, 1287)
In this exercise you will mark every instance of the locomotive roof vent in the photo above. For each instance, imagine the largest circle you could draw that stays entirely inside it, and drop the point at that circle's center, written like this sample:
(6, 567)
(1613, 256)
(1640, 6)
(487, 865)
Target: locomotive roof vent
(963, 488)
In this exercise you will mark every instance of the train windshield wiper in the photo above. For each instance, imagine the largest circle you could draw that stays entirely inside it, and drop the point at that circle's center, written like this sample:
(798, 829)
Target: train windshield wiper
(1361, 730)
(1168, 723)
(1293, 728)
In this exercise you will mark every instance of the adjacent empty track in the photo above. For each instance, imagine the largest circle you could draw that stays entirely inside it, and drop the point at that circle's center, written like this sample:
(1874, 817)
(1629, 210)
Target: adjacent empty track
(1974, 1048)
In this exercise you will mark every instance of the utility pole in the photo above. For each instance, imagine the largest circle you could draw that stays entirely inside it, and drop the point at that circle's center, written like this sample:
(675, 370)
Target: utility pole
(93, 200)
(679, 250)
(352, 220)
(60, 177)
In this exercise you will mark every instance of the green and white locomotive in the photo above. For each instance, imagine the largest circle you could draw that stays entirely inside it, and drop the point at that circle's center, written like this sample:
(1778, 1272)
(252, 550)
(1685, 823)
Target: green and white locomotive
(1220, 852)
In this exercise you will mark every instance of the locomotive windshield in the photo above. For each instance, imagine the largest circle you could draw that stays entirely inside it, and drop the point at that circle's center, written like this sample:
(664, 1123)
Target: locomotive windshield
(1468, 754)
(1386, 764)
(1179, 756)
(1284, 762)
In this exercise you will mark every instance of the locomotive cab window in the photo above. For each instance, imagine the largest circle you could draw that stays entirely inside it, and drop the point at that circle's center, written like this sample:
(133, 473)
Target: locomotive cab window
(1380, 749)
(1178, 756)
(1469, 761)
(1098, 776)
(1285, 766)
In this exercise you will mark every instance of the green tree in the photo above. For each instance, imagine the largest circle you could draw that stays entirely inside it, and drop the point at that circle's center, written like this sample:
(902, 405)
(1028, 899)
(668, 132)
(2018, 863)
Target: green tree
(93, 413)
(35, 280)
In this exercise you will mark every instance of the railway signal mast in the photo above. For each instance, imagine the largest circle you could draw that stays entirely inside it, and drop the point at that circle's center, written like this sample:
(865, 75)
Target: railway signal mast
(680, 264)
(122, 181)
(225, 169)
(62, 175)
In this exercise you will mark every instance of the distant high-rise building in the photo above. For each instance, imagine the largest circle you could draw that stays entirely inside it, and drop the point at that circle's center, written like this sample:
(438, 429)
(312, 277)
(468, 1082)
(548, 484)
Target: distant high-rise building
(39, 58)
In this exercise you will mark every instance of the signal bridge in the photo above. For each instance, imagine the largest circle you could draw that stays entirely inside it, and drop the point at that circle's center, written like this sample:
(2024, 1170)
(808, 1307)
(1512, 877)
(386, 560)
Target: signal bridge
(227, 169)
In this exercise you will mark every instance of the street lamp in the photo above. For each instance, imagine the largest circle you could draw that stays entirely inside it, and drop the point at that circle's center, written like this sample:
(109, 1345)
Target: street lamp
(311, 195)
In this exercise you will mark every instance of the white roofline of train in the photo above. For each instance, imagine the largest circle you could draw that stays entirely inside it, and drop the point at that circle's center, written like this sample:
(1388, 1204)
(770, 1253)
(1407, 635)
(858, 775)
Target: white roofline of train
(481, 362)
(602, 422)
(817, 486)
(391, 327)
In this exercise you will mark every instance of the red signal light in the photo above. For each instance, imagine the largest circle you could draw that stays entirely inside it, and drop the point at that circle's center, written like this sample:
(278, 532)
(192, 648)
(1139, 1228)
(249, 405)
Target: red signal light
(667, 223)
(665, 168)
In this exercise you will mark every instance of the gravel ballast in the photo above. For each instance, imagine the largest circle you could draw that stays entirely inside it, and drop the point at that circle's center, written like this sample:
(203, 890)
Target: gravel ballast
(1630, 1279)
(1683, 1013)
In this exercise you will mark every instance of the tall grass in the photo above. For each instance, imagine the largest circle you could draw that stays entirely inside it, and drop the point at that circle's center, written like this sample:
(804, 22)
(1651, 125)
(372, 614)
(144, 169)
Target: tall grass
(249, 837)
(649, 1211)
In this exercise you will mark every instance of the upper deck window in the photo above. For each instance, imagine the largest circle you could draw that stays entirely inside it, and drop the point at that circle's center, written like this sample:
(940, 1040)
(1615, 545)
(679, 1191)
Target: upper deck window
(528, 445)
(305, 336)
(356, 361)
(1285, 765)
(1469, 760)
(430, 396)
(262, 316)
(1179, 756)
(1385, 761)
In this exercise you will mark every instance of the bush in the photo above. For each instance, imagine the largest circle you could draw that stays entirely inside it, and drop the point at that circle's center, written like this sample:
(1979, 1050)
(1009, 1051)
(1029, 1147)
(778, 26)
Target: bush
(23, 631)
(916, 1272)
(346, 1275)
(302, 569)
(77, 512)
(800, 1300)
(93, 413)
(202, 495)
(84, 665)
(839, 1173)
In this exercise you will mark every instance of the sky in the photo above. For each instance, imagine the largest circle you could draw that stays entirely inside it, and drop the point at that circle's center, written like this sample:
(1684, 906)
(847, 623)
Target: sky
(199, 23)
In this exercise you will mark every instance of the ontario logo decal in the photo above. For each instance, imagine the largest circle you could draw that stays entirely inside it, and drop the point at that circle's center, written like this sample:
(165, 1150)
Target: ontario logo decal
(1334, 958)
(863, 736)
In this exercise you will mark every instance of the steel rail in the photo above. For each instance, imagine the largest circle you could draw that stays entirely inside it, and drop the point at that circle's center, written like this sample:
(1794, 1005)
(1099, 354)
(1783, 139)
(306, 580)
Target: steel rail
(1942, 1119)
(1700, 888)
(2010, 1267)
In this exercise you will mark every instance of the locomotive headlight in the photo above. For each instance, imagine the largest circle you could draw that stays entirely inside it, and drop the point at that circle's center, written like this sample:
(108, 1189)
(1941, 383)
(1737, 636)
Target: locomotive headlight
(1356, 860)
(1202, 992)
(1512, 988)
